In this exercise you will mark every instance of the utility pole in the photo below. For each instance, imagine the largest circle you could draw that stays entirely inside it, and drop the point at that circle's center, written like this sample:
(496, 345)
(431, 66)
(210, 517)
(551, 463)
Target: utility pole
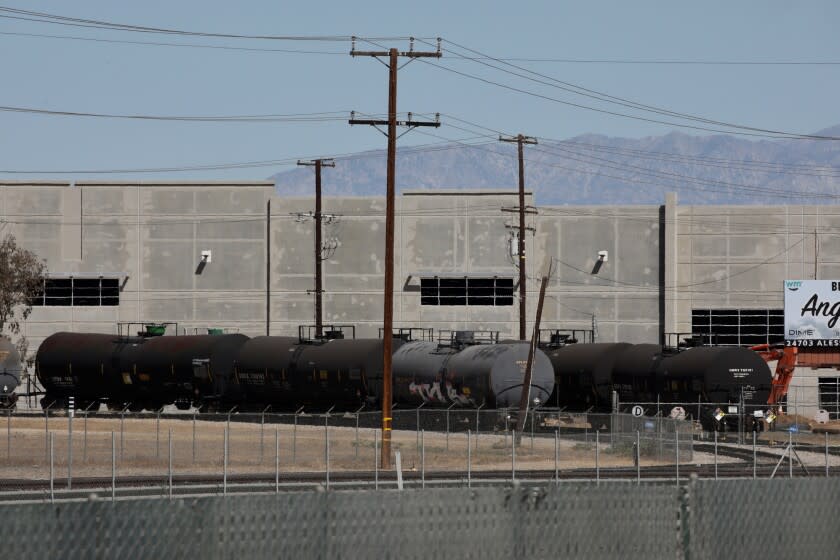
(319, 316)
(268, 267)
(520, 141)
(525, 398)
(392, 123)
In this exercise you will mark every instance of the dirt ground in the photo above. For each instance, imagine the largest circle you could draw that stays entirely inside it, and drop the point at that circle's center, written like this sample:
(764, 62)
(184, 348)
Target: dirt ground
(141, 446)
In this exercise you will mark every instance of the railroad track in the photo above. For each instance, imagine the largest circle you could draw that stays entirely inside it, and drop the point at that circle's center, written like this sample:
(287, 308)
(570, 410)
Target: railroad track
(217, 483)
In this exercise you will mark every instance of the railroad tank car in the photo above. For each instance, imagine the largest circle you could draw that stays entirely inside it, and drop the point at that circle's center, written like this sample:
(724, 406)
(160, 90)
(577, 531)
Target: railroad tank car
(471, 375)
(10, 372)
(635, 376)
(583, 373)
(287, 372)
(722, 374)
(137, 372)
(587, 374)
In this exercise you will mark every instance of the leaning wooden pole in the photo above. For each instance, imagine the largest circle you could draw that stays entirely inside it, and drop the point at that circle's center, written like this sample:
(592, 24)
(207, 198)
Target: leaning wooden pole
(525, 398)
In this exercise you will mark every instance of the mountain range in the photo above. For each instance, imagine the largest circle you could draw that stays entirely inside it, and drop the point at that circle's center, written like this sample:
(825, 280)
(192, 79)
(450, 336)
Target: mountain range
(596, 169)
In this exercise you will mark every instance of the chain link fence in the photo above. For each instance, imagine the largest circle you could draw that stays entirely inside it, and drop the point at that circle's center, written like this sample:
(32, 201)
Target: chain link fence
(56, 445)
(702, 519)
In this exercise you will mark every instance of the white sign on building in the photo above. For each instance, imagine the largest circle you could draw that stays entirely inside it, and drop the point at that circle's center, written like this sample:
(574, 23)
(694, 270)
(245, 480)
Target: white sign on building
(812, 312)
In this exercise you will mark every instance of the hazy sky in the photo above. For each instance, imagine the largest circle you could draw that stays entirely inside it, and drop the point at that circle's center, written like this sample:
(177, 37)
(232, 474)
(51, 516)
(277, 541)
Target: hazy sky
(142, 79)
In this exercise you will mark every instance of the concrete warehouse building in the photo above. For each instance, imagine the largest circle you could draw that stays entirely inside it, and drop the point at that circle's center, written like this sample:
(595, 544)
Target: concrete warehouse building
(233, 255)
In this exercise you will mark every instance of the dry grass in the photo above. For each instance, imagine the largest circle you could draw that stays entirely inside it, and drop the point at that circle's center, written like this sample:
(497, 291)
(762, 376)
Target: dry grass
(142, 447)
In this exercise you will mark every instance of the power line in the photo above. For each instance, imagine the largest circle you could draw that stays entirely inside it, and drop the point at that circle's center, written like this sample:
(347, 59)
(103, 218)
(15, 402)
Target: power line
(670, 156)
(605, 97)
(273, 118)
(687, 62)
(43, 17)
(719, 187)
(515, 89)
(163, 44)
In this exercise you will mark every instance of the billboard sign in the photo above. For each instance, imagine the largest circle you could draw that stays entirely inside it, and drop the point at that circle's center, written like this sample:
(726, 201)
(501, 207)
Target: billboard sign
(812, 312)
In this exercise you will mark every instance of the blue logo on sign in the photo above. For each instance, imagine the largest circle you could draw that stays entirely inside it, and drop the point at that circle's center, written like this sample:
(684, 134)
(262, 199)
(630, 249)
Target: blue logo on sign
(793, 285)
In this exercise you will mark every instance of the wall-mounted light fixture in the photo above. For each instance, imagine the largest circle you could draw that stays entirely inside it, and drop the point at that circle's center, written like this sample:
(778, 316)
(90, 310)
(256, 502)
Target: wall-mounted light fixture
(603, 256)
(205, 258)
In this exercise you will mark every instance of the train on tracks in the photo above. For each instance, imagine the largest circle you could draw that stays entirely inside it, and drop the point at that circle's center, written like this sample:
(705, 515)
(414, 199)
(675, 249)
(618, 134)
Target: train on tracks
(219, 372)
(463, 368)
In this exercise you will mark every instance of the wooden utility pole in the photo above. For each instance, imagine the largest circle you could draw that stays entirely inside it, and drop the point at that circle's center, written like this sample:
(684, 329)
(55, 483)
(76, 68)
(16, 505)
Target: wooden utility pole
(525, 397)
(392, 123)
(268, 267)
(520, 141)
(319, 246)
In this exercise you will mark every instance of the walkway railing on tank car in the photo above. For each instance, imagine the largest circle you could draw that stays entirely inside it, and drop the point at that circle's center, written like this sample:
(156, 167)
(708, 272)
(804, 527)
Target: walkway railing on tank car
(150, 329)
(448, 337)
(309, 333)
(562, 337)
(411, 333)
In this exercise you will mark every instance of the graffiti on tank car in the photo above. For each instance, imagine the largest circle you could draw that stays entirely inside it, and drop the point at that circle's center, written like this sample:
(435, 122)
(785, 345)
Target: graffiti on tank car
(432, 393)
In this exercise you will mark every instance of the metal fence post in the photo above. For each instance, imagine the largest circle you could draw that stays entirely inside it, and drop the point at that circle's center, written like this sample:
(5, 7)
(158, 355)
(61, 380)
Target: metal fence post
(754, 456)
(790, 453)
(193, 435)
(477, 424)
(417, 426)
(716, 456)
(557, 456)
(9, 435)
(170, 463)
(113, 466)
(294, 438)
(47, 433)
(277, 460)
(826, 454)
(122, 435)
(225, 460)
(375, 460)
(447, 425)
(357, 430)
(157, 434)
(52, 467)
(513, 455)
(262, 434)
(84, 445)
(638, 458)
(422, 458)
(469, 459)
(597, 457)
(69, 449)
(677, 448)
(533, 413)
(327, 447)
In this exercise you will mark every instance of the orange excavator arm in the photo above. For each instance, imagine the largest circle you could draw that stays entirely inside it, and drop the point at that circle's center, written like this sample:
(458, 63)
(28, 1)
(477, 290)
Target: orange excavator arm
(785, 358)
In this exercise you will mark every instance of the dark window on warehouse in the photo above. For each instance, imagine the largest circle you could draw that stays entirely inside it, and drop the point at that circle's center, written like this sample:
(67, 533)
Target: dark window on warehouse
(830, 396)
(466, 291)
(739, 327)
(80, 292)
